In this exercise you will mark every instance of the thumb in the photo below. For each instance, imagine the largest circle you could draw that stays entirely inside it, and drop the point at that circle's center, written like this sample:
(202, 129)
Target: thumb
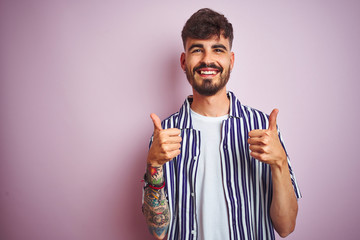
(156, 120)
(272, 119)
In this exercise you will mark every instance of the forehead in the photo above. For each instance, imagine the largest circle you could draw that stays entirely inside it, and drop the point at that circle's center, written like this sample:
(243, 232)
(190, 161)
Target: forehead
(214, 40)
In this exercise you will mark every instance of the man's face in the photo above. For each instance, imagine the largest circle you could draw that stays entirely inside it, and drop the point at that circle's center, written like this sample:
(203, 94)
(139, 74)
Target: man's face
(207, 64)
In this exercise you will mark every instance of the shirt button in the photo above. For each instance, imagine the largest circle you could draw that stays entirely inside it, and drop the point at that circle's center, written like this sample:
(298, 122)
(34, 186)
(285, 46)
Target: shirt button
(193, 232)
(195, 158)
(192, 194)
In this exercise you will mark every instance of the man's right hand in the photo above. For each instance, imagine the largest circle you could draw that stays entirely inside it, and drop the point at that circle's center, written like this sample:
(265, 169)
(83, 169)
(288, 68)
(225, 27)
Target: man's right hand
(165, 145)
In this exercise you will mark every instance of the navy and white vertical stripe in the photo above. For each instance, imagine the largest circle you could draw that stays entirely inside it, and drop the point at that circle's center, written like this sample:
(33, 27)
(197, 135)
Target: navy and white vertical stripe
(247, 181)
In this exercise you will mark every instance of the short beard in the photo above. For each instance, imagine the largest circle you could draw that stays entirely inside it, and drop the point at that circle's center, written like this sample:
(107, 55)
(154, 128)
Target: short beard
(207, 87)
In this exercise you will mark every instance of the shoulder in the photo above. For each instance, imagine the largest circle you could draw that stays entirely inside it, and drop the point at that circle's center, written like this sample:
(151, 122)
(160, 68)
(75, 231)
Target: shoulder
(254, 118)
(238, 109)
(252, 112)
(171, 121)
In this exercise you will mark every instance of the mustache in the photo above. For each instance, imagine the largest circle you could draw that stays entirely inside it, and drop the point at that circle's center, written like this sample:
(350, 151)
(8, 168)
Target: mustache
(211, 65)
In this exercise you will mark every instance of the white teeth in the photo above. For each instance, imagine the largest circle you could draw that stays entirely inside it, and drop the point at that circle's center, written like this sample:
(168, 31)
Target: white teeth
(208, 72)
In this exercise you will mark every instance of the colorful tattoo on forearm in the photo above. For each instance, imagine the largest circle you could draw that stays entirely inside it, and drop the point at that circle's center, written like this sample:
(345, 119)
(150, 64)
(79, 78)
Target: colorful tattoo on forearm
(156, 211)
(155, 175)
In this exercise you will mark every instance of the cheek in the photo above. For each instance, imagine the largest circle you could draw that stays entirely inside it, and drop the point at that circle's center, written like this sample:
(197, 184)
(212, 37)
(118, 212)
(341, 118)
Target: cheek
(227, 64)
(193, 61)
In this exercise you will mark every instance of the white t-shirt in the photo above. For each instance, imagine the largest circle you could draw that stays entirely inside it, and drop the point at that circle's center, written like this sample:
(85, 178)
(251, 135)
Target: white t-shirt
(211, 208)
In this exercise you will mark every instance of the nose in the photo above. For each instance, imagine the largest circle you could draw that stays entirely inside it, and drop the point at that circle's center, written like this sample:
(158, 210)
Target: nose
(207, 57)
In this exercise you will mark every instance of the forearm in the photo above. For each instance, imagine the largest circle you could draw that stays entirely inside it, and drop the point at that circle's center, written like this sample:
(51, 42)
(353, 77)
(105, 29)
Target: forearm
(165, 146)
(155, 207)
(284, 207)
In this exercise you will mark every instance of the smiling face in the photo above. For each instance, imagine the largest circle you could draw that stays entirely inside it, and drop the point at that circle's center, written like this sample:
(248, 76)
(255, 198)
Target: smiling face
(207, 63)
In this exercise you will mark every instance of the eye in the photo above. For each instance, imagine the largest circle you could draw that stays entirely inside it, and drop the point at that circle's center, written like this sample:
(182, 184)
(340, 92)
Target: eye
(219, 50)
(196, 50)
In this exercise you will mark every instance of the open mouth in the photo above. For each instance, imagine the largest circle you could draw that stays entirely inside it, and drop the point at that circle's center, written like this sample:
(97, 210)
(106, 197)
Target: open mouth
(207, 72)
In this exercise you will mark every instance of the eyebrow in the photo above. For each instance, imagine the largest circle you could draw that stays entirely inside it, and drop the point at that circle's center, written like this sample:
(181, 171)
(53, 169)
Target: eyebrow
(219, 46)
(198, 45)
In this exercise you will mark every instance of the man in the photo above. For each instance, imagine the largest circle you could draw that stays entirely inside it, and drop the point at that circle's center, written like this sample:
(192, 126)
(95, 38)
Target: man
(217, 169)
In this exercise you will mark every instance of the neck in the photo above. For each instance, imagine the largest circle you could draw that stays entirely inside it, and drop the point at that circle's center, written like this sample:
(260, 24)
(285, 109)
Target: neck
(211, 106)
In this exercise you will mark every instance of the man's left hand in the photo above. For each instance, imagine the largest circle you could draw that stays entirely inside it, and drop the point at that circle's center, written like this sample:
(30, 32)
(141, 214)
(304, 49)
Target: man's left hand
(265, 144)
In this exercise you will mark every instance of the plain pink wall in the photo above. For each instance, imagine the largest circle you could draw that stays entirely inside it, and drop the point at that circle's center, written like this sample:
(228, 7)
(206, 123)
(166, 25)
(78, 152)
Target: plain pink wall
(80, 78)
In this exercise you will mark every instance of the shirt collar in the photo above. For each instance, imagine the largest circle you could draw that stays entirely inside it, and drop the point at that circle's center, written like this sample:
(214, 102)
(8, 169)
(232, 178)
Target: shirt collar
(185, 120)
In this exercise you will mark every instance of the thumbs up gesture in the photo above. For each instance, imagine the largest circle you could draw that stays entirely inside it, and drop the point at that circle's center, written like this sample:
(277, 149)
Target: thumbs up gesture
(165, 145)
(265, 144)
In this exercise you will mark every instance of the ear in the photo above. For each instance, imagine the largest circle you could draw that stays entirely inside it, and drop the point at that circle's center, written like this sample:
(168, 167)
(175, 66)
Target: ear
(182, 61)
(232, 59)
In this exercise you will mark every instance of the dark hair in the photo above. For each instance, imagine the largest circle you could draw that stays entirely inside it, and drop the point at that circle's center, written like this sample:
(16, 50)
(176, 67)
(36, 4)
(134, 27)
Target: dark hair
(206, 23)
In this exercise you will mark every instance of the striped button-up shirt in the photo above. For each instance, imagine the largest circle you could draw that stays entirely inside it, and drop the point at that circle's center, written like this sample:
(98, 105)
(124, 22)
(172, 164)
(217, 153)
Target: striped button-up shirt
(247, 181)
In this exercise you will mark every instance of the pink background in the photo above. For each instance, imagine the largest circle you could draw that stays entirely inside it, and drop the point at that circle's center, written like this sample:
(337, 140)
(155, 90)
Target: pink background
(80, 78)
